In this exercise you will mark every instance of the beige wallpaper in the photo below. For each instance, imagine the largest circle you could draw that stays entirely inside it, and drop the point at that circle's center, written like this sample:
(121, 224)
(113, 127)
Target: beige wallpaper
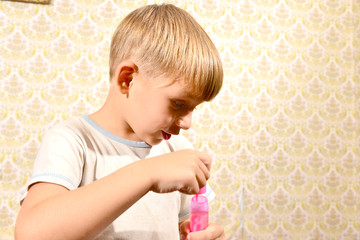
(284, 131)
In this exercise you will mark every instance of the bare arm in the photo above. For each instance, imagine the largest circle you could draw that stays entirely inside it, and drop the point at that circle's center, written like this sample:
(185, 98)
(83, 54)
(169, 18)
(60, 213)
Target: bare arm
(51, 211)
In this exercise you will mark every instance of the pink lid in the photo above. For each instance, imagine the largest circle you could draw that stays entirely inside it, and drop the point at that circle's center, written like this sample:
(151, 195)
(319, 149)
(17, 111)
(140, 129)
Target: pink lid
(202, 190)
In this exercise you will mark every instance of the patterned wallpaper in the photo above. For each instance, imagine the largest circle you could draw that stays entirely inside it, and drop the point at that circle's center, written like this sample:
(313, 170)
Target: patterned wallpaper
(284, 132)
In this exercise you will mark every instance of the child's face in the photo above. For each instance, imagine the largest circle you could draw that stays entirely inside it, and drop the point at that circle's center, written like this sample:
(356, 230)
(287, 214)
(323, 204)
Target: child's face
(159, 108)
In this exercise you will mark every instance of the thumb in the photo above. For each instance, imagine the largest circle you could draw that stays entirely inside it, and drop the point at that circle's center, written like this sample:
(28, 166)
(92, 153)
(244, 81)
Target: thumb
(184, 229)
(213, 231)
(199, 235)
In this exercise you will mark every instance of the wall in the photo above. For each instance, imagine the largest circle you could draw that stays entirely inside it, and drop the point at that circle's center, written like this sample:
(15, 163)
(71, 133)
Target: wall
(284, 131)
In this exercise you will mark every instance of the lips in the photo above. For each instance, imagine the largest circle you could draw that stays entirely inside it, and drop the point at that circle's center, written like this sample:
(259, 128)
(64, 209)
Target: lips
(166, 135)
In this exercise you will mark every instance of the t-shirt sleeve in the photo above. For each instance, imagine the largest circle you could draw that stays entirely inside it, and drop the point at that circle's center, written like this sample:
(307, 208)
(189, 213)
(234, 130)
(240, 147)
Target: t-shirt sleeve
(60, 159)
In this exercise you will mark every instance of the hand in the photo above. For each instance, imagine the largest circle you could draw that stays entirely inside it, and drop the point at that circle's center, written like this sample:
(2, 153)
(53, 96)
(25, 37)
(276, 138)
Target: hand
(185, 171)
(212, 232)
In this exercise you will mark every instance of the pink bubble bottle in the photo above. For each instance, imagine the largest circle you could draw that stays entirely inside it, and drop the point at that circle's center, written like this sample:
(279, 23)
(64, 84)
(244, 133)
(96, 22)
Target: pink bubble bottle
(199, 212)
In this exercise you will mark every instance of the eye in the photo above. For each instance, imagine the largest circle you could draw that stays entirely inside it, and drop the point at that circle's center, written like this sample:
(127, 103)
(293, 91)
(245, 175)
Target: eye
(178, 105)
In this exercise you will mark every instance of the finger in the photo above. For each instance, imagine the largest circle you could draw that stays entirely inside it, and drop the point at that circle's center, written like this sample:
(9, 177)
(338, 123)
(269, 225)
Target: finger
(206, 159)
(216, 231)
(201, 178)
(192, 186)
(213, 231)
(205, 170)
(184, 229)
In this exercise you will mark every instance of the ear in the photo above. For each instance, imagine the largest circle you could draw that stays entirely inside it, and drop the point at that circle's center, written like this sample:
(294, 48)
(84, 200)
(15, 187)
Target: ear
(125, 77)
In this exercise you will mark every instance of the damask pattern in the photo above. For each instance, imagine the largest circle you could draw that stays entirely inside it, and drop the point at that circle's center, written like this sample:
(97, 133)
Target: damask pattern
(284, 131)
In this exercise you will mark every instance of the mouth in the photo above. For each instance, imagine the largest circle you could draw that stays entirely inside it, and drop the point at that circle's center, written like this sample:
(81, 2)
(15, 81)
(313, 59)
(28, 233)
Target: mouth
(166, 135)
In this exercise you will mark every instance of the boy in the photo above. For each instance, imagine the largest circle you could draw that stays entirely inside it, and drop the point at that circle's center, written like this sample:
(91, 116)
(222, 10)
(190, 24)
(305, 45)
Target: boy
(119, 173)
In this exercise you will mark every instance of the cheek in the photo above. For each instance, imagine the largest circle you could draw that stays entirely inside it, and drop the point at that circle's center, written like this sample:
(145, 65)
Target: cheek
(150, 110)
(152, 114)
(161, 116)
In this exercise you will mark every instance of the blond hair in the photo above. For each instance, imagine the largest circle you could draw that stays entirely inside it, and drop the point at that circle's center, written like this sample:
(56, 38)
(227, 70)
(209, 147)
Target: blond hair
(166, 40)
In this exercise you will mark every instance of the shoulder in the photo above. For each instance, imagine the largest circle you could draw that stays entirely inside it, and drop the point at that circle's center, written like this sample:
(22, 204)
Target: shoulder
(75, 126)
(69, 131)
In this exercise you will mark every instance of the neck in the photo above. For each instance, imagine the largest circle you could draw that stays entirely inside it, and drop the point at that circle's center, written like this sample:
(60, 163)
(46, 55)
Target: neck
(110, 116)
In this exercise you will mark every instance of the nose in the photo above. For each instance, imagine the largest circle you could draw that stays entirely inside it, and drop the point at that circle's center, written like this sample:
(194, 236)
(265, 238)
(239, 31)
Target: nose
(184, 121)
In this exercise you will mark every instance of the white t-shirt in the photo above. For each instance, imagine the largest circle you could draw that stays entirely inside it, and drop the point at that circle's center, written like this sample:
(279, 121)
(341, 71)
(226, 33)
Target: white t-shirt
(77, 152)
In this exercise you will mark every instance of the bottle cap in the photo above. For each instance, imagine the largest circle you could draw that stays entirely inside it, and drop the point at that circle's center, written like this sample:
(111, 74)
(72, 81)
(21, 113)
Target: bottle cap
(202, 190)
